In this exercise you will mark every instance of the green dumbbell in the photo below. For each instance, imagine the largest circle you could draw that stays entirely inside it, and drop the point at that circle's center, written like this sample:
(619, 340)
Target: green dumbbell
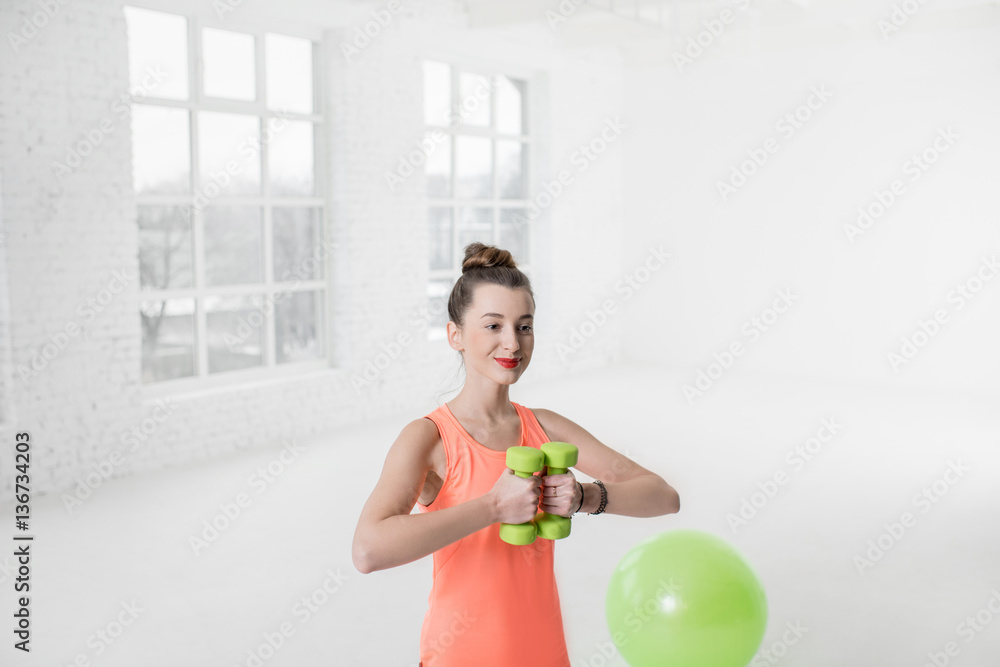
(524, 461)
(559, 457)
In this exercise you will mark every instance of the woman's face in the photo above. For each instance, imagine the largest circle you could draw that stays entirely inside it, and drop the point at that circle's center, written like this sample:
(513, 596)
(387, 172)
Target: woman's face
(498, 325)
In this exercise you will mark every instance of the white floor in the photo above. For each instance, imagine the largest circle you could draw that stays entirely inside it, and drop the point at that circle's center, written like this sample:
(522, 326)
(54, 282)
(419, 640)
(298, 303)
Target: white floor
(129, 543)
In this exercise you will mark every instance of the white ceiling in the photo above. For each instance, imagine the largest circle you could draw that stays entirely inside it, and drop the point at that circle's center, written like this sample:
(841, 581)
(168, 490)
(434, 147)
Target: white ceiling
(641, 30)
(645, 30)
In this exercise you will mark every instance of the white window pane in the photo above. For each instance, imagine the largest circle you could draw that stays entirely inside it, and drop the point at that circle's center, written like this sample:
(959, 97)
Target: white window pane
(473, 167)
(510, 106)
(233, 332)
(651, 13)
(438, 292)
(439, 221)
(439, 166)
(437, 93)
(229, 64)
(168, 347)
(514, 233)
(289, 73)
(475, 223)
(161, 153)
(232, 245)
(511, 162)
(297, 239)
(157, 53)
(298, 327)
(626, 9)
(229, 154)
(474, 99)
(165, 247)
(290, 160)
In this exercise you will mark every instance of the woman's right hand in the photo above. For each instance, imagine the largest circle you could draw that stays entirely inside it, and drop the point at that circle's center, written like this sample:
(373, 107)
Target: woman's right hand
(515, 499)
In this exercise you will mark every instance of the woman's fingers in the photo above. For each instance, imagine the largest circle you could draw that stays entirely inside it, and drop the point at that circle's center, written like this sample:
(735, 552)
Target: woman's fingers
(558, 485)
(559, 494)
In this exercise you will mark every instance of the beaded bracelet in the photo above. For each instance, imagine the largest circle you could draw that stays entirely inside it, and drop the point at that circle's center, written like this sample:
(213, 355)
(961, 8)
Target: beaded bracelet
(604, 497)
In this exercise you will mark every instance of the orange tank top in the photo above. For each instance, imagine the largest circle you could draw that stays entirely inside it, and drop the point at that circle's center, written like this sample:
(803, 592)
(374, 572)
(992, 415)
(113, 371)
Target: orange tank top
(491, 604)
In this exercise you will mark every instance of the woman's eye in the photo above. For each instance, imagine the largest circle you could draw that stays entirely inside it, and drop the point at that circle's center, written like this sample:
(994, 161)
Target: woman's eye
(524, 327)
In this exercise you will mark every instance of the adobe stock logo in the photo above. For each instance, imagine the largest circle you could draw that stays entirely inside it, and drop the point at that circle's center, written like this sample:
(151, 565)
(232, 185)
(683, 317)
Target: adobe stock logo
(794, 631)
(380, 20)
(927, 329)
(967, 629)
(630, 283)
(786, 126)
(796, 458)
(47, 10)
(899, 17)
(752, 329)
(924, 500)
(914, 167)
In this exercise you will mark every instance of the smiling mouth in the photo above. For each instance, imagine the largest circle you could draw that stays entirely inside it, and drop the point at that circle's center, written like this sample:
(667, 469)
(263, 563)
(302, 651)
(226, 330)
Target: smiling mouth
(507, 363)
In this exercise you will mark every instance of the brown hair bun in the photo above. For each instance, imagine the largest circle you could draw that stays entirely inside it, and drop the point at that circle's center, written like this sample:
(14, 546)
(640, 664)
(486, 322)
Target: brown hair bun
(481, 256)
(484, 264)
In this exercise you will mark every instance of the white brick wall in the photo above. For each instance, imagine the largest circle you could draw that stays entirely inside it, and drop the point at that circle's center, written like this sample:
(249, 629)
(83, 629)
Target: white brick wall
(65, 239)
(66, 235)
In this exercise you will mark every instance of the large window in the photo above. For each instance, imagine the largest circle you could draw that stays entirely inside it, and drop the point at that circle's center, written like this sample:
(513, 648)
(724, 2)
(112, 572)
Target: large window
(477, 172)
(225, 133)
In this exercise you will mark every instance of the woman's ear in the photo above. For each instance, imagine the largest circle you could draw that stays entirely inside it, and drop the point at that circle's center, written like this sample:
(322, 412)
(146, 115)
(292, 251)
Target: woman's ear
(454, 336)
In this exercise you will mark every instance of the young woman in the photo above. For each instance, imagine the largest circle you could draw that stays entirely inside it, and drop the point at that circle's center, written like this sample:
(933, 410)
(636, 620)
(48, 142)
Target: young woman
(492, 604)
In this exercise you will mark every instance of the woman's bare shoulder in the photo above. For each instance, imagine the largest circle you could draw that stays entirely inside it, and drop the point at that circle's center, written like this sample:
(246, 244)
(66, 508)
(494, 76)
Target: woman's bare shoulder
(421, 432)
(551, 422)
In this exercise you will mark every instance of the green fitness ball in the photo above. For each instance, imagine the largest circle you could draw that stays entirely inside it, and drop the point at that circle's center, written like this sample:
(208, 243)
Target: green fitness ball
(685, 598)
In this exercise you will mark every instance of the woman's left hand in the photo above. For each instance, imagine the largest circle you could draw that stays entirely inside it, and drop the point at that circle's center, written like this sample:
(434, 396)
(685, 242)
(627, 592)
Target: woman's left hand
(560, 494)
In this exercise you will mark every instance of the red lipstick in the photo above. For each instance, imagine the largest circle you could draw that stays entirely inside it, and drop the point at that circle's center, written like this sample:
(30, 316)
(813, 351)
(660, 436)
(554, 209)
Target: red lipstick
(507, 363)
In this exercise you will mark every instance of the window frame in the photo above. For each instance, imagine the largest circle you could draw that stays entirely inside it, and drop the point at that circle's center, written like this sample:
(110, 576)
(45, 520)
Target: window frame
(459, 65)
(264, 201)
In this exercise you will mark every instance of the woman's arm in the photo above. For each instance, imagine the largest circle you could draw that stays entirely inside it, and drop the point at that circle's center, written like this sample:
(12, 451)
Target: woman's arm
(643, 496)
(387, 534)
(632, 489)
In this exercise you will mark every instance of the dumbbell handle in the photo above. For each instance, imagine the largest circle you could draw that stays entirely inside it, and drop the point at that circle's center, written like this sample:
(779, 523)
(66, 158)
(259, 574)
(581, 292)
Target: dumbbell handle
(525, 462)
